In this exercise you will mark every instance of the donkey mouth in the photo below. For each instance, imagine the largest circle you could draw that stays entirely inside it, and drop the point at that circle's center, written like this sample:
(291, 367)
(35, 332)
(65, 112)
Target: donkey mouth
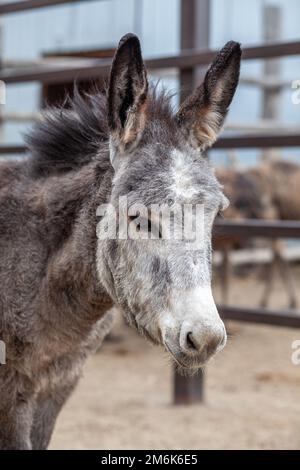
(183, 360)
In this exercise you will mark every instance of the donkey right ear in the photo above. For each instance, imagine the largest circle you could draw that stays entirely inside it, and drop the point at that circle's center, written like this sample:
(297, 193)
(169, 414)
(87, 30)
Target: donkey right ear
(127, 96)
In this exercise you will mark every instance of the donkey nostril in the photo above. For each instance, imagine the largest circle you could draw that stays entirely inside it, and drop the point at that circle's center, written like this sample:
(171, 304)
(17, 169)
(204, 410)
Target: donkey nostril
(214, 344)
(204, 346)
(190, 341)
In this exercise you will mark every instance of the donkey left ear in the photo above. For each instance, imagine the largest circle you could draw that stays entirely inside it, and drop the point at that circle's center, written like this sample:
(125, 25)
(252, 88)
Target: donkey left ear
(127, 96)
(202, 115)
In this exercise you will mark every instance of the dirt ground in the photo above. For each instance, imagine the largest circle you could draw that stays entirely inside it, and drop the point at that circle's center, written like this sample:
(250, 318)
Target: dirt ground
(252, 393)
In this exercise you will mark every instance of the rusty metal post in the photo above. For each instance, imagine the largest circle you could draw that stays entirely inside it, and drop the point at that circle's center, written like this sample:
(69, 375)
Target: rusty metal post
(188, 390)
(271, 95)
(194, 35)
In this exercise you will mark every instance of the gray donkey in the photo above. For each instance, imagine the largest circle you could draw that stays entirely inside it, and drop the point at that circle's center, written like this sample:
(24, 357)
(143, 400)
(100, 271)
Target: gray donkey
(59, 277)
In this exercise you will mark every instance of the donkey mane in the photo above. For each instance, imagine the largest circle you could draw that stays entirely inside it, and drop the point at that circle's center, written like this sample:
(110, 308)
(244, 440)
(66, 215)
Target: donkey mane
(70, 136)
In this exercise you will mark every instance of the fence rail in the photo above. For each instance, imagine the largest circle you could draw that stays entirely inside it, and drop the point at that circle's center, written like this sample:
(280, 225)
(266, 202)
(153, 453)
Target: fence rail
(250, 228)
(25, 5)
(287, 319)
(7, 149)
(257, 140)
(261, 140)
(95, 68)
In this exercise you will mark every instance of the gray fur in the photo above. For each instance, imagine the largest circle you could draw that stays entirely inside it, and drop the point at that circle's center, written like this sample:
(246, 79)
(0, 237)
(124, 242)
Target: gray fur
(58, 281)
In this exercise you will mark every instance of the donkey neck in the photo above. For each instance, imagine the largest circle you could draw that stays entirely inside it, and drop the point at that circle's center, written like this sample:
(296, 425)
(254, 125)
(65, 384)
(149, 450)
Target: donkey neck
(68, 205)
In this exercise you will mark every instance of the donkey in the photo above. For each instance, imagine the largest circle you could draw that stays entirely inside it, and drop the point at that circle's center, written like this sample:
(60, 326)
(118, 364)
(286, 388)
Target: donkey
(59, 278)
(267, 191)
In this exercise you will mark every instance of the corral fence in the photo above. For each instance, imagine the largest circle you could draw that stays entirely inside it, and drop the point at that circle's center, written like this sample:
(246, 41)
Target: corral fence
(189, 62)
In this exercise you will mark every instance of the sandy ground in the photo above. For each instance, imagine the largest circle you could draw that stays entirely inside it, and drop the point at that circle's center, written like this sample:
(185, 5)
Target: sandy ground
(252, 393)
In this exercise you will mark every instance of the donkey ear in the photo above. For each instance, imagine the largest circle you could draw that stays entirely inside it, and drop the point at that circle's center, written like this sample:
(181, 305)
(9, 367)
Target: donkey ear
(127, 95)
(202, 115)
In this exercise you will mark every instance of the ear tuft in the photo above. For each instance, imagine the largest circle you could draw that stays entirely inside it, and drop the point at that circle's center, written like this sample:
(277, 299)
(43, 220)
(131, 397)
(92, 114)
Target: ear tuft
(222, 77)
(202, 115)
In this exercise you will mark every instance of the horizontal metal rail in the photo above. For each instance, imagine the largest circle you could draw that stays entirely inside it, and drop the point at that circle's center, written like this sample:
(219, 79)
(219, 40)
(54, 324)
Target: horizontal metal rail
(258, 140)
(250, 228)
(25, 5)
(287, 318)
(96, 68)
(7, 149)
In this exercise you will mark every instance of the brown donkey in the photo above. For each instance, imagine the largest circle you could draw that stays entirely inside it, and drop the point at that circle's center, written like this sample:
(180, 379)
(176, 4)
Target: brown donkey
(59, 274)
(267, 191)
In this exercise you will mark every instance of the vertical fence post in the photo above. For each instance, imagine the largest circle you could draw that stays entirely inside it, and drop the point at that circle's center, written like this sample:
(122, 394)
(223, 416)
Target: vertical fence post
(188, 390)
(194, 34)
(271, 95)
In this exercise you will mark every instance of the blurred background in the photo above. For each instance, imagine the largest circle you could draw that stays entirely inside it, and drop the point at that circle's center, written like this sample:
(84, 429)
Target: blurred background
(130, 396)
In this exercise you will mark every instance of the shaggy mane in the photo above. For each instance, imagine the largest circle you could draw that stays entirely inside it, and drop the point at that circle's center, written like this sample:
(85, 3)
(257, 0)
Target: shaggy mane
(71, 136)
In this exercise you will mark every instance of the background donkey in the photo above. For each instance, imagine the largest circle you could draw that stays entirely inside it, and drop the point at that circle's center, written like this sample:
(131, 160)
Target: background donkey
(266, 191)
(58, 281)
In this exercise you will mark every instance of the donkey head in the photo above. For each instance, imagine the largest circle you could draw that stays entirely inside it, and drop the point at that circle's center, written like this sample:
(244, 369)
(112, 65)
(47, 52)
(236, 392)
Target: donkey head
(163, 283)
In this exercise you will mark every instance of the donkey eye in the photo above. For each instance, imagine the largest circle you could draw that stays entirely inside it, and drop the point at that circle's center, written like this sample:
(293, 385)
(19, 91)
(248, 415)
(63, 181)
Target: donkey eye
(132, 218)
(147, 223)
(153, 229)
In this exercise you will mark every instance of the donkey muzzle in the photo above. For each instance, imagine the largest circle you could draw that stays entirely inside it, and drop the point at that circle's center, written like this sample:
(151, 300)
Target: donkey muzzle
(194, 331)
(196, 344)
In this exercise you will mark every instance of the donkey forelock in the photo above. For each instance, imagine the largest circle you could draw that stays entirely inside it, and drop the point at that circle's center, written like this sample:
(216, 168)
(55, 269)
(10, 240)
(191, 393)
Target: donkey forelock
(70, 136)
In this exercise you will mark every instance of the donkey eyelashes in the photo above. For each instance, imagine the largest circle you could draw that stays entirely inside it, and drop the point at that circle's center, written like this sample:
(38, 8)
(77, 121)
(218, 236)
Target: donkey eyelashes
(146, 224)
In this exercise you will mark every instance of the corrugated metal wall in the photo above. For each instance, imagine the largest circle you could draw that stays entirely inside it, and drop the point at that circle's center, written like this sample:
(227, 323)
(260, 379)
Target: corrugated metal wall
(84, 25)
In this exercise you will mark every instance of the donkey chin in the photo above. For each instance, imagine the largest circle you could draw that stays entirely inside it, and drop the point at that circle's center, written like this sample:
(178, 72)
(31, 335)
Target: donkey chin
(192, 331)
